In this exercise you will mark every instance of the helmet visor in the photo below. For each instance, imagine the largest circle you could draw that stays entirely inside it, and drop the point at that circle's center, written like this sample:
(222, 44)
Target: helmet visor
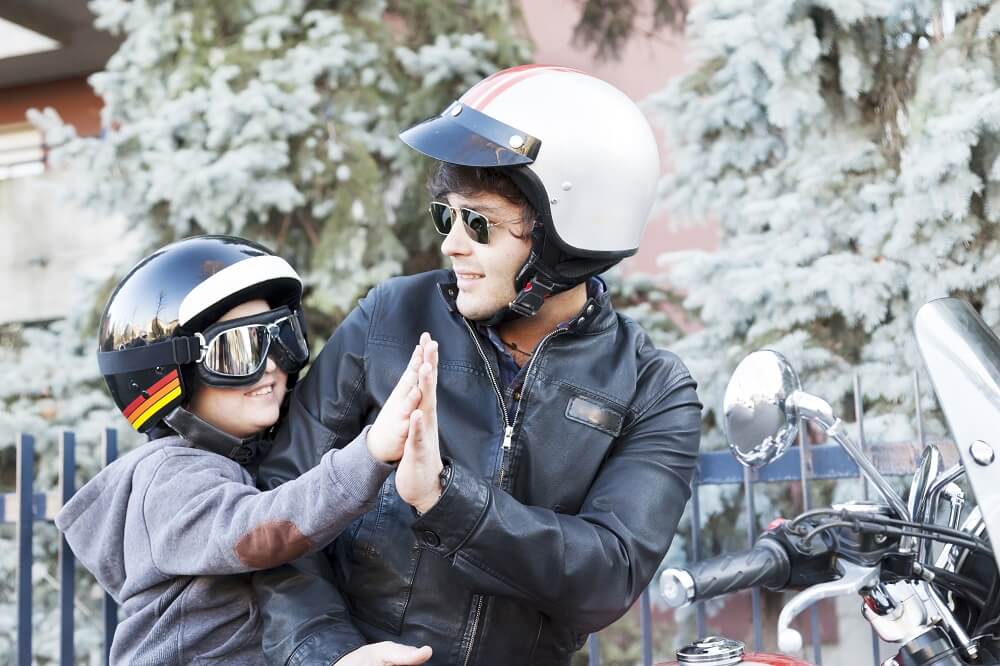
(462, 135)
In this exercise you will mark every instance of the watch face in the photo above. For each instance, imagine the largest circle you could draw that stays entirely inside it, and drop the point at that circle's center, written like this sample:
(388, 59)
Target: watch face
(445, 476)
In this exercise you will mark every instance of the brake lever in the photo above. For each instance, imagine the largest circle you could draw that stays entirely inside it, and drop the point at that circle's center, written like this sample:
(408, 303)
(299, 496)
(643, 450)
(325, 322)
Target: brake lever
(853, 578)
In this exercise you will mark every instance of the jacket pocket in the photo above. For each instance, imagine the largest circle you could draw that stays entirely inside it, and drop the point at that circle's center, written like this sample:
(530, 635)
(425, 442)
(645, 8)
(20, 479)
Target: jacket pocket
(555, 643)
(564, 439)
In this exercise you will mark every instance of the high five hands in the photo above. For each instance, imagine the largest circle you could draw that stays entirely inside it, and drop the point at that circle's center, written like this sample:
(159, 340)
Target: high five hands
(406, 429)
(418, 474)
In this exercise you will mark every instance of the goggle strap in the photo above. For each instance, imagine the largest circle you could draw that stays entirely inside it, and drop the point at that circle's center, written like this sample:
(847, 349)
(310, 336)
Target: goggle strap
(175, 351)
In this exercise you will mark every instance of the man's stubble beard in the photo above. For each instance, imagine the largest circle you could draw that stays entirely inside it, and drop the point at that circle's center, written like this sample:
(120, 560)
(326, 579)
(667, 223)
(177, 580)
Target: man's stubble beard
(484, 307)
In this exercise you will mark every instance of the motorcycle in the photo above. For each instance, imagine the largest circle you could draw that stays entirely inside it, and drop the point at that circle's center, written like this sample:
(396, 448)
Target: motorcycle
(924, 568)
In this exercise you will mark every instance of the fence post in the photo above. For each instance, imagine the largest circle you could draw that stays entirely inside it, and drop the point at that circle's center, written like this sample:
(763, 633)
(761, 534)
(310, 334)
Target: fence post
(110, 607)
(646, 622)
(700, 621)
(751, 535)
(805, 464)
(859, 415)
(25, 470)
(594, 647)
(67, 578)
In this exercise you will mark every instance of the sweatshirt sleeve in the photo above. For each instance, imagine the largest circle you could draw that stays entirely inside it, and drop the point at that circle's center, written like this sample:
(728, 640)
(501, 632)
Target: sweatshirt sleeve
(203, 516)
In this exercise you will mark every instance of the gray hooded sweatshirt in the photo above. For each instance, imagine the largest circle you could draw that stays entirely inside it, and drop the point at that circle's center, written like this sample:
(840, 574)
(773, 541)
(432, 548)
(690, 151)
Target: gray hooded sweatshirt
(172, 531)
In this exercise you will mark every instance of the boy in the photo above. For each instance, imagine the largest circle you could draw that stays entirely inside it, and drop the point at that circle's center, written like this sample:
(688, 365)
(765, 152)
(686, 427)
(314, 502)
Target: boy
(198, 344)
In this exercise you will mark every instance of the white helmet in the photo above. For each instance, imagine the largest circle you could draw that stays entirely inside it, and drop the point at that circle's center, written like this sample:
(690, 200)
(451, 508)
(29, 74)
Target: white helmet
(578, 148)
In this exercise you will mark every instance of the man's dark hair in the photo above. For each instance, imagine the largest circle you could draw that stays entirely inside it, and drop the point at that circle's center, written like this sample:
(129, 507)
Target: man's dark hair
(468, 181)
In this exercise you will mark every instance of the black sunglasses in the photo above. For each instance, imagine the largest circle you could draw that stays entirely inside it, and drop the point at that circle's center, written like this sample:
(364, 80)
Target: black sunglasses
(476, 224)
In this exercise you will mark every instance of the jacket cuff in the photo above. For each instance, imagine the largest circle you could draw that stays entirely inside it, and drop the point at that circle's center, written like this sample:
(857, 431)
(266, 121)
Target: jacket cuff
(451, 521)
(354, 468)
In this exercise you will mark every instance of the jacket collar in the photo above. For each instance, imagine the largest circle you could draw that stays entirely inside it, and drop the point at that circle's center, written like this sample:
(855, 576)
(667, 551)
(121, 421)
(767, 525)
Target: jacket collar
(203, 435)
(596, 315)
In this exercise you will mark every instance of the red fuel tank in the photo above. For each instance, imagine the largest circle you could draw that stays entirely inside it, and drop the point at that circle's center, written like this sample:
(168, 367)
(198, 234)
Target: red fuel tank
(718, 651)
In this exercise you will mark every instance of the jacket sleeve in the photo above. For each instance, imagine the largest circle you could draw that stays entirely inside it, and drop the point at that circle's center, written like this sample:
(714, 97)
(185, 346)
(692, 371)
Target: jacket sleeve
(596, 563)
(306, 619)
(203, 517)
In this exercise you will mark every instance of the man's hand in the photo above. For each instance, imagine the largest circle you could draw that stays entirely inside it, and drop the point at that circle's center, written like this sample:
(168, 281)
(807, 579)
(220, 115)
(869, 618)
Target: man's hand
(385, 654)
(388, 434)
(418, 475)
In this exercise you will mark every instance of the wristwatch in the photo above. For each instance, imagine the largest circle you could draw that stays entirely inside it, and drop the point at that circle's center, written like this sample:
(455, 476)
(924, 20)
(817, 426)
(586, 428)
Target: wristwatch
(443, 478)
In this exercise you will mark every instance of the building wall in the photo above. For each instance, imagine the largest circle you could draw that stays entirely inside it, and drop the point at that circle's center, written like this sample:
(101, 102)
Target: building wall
(72, 98)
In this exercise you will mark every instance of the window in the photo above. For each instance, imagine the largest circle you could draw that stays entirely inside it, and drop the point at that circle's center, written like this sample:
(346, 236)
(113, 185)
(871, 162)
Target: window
(22, 150)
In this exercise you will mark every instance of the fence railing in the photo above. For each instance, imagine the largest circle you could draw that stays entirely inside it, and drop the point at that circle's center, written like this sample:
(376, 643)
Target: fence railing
(803, 464)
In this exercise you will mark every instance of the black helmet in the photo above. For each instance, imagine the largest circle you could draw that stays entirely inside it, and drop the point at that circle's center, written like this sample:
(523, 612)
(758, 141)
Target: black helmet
(152, 340)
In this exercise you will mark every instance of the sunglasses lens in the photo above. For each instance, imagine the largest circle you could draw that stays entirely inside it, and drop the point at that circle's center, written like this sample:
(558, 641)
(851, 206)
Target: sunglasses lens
(442, 216)
(238, 352)
(477, 225)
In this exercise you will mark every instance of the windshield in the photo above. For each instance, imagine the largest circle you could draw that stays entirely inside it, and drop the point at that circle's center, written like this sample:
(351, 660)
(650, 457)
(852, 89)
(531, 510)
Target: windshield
(962, 356)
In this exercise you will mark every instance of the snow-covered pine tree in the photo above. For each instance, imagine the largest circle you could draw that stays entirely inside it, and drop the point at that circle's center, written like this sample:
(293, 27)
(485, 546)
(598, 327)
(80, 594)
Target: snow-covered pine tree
(272, 119)
(277, 120)
(849, 152)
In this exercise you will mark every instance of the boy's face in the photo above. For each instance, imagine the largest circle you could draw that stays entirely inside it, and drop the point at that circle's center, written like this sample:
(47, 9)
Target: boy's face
(243, 411)
(486, 272)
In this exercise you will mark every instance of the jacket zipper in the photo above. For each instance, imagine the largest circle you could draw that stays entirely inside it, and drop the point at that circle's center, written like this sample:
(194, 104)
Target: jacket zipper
(508, 427)
(508, 436)
(475, 626)
(508, 433)
(520, 403)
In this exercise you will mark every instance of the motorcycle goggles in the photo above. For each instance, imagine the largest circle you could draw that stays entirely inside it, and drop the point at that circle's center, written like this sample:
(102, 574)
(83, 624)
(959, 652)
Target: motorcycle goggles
(476, 224)
(234, 352)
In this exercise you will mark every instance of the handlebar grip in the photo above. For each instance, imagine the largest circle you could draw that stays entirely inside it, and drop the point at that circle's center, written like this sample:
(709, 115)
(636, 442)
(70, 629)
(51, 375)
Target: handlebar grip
(766, 565)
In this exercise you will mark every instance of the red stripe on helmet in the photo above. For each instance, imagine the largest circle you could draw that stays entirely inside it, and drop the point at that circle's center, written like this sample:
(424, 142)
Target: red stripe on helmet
(487, 90)
(483, 86)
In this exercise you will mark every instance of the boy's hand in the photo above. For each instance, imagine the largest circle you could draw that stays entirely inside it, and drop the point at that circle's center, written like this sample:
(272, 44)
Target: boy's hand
(388, 434)
(418, 475)
(385, 654)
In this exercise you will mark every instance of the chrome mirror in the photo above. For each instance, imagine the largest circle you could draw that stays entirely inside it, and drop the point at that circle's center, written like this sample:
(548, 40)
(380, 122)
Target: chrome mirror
(760, 421)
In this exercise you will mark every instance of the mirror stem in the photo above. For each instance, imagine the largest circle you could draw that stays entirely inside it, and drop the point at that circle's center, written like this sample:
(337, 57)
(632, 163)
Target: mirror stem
(817, 410)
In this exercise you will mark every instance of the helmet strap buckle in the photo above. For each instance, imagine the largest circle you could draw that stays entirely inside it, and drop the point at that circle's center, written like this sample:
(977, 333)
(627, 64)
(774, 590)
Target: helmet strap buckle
(531, 297)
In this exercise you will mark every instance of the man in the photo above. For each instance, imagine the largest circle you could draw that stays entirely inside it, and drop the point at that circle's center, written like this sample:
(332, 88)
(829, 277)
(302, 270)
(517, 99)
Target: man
(567, 440)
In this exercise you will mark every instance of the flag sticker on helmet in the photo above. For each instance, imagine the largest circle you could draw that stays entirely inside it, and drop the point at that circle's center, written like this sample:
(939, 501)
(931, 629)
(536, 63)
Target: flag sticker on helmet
(153, 399)
(490, 88)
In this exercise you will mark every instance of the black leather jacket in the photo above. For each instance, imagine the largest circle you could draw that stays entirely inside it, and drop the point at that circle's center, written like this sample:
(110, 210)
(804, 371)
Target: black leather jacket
(533, 544)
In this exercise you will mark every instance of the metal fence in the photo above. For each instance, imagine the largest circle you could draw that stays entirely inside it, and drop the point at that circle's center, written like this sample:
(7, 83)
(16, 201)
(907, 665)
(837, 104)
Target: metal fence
(802, 464)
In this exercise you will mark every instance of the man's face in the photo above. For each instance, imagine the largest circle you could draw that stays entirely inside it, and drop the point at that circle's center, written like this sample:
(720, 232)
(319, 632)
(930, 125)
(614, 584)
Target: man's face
(486, 272)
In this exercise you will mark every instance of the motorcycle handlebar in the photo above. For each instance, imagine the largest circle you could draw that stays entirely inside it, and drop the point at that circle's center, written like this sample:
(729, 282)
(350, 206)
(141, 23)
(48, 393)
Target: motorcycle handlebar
(766, 565)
